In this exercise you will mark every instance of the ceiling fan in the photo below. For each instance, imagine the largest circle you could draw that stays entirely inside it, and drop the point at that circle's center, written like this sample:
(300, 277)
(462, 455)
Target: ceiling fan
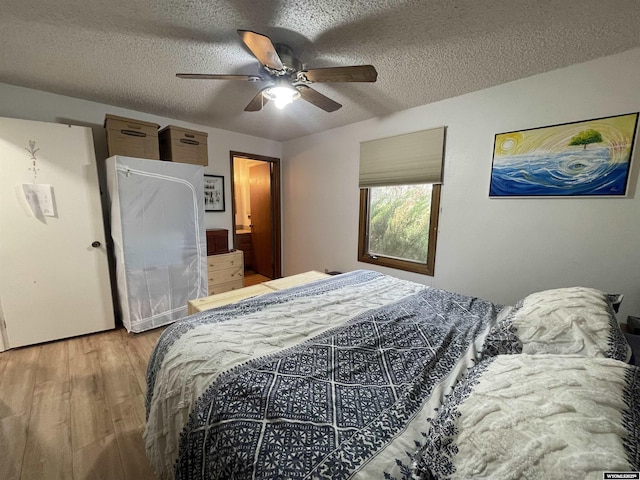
(287, 80)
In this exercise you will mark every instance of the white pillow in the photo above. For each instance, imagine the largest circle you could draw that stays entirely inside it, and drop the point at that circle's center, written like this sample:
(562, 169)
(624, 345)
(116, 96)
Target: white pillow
(575, 320)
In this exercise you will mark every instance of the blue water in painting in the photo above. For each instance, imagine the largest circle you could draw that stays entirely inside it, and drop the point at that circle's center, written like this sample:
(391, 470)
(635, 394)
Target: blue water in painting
(574, 172)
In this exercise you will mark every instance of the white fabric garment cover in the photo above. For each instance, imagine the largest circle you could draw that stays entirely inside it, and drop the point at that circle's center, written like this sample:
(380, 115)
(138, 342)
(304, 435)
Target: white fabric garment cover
(157, 226)
(402, 160)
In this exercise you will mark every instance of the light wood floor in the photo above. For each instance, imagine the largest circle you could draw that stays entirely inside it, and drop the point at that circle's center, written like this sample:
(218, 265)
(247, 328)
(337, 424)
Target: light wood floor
(74, 409)
(252, 278)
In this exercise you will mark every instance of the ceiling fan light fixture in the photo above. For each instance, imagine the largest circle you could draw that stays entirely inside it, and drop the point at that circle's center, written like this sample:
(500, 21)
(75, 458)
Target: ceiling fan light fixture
(288, 77)
(282, 95)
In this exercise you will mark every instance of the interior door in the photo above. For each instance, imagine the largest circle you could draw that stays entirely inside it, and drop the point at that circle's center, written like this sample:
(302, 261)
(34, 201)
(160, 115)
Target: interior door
(54, 276)
(261, 221)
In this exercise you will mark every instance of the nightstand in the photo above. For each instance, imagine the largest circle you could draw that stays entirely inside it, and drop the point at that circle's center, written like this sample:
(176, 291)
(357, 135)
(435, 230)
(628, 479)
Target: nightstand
(633, 324)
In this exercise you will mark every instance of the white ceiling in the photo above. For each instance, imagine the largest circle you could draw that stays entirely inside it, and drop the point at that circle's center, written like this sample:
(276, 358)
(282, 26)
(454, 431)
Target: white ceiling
(126, 52)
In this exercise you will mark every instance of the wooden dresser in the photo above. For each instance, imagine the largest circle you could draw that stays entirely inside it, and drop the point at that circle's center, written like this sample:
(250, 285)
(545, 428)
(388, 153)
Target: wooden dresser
(225, 272)
(217, 241)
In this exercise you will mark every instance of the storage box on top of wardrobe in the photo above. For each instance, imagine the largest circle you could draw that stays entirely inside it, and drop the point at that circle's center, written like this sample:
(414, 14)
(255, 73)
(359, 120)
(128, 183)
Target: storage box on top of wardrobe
(132, 138)
(179, 144)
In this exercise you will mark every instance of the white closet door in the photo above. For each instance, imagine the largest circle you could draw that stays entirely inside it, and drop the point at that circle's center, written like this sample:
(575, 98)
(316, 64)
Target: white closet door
(54, 277)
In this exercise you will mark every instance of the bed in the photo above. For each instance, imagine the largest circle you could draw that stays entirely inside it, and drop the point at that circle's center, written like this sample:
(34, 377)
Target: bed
(365, 376)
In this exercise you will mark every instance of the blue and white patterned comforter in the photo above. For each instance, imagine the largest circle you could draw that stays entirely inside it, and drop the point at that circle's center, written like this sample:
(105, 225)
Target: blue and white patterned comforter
(334, 379)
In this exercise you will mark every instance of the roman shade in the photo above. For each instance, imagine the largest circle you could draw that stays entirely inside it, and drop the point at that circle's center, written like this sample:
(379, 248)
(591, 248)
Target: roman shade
(404, 159)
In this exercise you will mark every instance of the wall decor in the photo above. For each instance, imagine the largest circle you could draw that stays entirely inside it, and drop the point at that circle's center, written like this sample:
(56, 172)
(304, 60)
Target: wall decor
(578, 159)
(40, 199)
(32, 156)
(213, 193)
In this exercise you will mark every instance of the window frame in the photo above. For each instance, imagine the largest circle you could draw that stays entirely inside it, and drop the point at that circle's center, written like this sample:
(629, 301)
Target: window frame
(427, 268)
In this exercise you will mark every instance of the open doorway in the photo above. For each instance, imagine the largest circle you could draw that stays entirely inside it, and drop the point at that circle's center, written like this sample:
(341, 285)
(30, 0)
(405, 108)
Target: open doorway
(255, 190)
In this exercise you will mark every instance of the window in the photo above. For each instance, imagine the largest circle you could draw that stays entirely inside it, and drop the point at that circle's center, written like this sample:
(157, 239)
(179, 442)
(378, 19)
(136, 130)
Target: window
(400, 200)
(398, 226)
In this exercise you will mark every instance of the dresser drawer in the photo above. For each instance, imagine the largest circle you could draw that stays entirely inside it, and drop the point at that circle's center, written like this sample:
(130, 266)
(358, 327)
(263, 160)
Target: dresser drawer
(226, 275)
(225, 287)
(224, 261)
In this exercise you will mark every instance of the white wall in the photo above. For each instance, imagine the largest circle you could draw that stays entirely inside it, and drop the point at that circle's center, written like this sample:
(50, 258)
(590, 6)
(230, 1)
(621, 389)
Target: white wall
(28, 104)
(499, 249)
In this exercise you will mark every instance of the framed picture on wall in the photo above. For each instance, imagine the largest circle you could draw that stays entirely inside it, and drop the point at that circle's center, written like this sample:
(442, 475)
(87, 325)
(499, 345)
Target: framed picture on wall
(213, 193)
(589, 158)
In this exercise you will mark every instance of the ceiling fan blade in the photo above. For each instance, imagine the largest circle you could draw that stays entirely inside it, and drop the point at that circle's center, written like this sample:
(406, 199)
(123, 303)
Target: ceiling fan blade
(256, 103)
(207, 76)
(354, 73)
(262, 48)
(318, 99)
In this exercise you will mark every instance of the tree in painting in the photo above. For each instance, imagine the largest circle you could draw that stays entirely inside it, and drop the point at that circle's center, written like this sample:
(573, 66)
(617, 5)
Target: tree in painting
(586, 137)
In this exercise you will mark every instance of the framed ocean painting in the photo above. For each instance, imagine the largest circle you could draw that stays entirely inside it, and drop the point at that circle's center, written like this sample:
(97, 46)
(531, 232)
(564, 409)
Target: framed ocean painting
(579, 159)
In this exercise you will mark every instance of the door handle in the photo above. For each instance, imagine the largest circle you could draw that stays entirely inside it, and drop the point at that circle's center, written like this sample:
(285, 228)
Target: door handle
(96, 244)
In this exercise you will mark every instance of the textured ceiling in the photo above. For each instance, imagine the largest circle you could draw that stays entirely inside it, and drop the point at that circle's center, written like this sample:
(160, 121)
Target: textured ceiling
(126, 52)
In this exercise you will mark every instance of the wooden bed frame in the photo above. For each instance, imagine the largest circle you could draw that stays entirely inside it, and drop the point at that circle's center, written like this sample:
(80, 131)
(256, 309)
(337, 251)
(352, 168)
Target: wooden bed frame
(206, 303)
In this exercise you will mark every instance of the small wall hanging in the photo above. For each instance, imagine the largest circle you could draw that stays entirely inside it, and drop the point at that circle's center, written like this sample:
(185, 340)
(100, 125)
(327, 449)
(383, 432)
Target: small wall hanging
(40, 199)
(213, 193)
(586, 158)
